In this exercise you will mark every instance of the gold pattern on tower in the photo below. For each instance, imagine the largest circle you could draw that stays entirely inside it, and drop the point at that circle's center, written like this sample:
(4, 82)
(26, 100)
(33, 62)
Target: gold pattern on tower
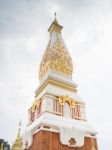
(56, 56)
(35, 105)
(18, 145)
(63, 99)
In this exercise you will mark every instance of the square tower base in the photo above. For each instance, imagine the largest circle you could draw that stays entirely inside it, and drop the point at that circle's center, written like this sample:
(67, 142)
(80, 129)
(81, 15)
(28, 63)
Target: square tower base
(46, 140)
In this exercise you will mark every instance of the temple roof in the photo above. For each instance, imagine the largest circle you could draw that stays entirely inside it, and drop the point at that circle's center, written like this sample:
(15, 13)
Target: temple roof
(56, 56)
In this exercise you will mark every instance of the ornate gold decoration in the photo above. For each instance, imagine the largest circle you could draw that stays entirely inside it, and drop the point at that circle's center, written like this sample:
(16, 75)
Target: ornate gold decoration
(35, 105)
(56, 57)
(18, 142)
(63, 99)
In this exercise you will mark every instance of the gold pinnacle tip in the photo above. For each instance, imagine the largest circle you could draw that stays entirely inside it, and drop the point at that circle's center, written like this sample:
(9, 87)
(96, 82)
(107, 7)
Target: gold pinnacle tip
(55, 14)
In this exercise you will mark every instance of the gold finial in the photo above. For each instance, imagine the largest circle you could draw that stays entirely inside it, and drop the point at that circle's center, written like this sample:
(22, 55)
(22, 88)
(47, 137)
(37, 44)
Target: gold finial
(55, 15)
(55, 19)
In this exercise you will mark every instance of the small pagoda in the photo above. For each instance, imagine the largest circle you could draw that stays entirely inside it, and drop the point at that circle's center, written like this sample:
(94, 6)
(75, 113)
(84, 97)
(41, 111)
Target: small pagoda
(17, 145)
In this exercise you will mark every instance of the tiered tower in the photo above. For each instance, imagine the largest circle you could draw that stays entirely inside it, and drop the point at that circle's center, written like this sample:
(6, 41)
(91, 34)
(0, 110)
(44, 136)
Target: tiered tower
(18, 145)
(57, 119)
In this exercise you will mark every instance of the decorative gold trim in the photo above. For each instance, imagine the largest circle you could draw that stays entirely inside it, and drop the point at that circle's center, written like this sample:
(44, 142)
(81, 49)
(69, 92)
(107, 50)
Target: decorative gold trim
(35, 105)
(63, 99)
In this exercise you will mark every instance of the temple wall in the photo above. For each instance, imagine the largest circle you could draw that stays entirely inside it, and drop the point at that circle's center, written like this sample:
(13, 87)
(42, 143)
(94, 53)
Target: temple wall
(45, 140)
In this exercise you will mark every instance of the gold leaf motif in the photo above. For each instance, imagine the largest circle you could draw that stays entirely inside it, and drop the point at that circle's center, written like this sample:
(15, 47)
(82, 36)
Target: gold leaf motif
(35, 105)
(63, 99)
(57, 58)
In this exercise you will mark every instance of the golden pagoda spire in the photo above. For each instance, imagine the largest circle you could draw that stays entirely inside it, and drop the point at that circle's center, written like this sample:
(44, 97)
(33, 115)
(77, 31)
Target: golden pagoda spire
(56, 57)
(18, 142)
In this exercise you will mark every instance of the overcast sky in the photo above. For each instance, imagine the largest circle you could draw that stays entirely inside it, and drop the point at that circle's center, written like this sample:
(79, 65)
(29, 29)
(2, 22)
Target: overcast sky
(87, 33)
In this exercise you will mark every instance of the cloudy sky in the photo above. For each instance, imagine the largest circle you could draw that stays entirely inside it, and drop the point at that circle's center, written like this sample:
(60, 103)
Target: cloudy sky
(87, 33)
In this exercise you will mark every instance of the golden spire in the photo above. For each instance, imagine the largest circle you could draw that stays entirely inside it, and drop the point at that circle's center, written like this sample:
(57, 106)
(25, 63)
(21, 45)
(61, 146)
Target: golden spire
(55, 19)
(19, 131)
(56, 56)
(55, 25)
(18, 142)
(55, 15)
